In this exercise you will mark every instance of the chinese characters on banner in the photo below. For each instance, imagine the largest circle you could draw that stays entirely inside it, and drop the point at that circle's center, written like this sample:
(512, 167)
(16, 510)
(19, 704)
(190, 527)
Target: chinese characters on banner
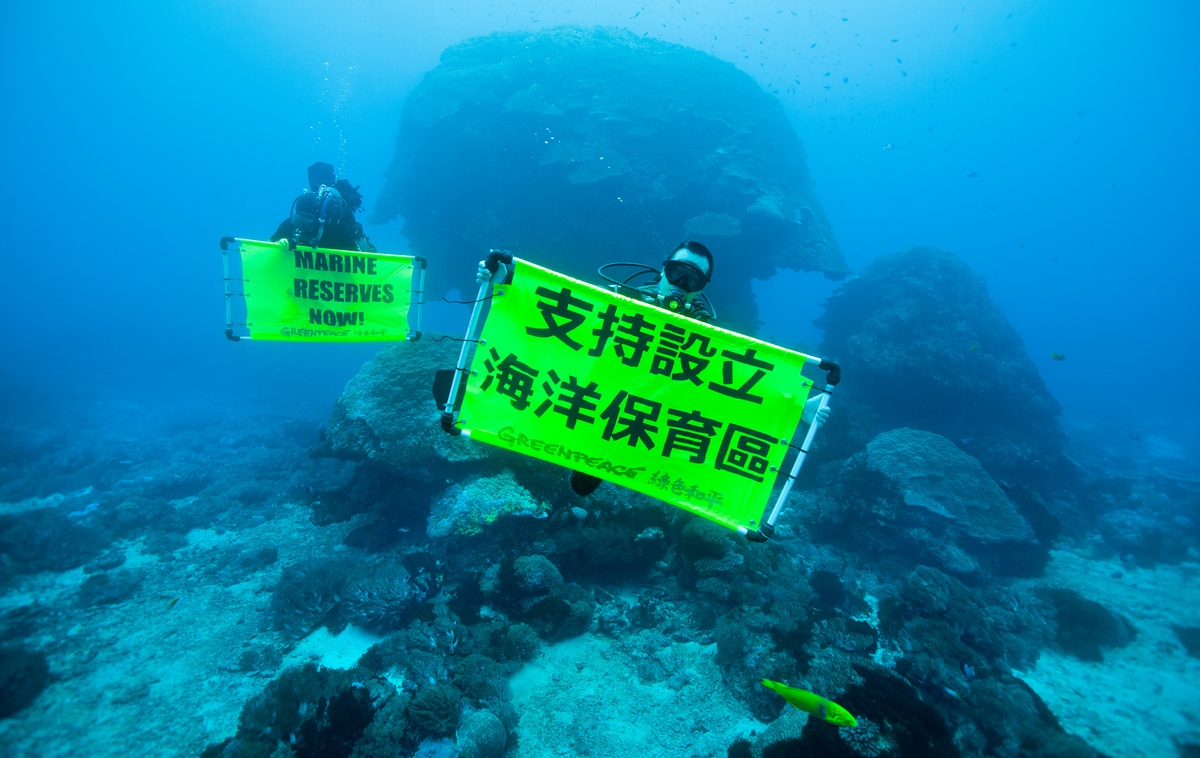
(680, 410)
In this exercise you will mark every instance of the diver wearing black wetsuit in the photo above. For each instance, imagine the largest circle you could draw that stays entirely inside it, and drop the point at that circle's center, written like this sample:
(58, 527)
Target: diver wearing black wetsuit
(340, 231)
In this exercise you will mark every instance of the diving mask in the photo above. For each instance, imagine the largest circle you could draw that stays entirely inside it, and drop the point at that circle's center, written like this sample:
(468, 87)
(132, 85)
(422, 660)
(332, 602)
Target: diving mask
(684, 275)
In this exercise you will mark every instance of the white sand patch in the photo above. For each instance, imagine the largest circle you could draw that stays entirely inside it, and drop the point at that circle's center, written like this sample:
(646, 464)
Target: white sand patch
(1142, 700)
(38, 503)
(583, 697)
(340, 651)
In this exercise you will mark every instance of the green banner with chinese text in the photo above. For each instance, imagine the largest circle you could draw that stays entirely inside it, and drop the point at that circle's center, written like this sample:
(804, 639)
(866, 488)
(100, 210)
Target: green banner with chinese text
(654, 401)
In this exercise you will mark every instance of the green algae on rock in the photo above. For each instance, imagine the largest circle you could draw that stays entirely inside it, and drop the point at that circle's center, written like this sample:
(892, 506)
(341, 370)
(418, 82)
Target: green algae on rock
(468, 508)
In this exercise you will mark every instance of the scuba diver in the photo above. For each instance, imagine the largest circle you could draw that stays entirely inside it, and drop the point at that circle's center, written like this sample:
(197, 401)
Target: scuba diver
(678, 287)
(323, 215)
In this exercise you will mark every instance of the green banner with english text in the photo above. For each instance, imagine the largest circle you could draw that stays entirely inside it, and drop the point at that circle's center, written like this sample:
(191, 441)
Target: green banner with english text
(310, 294)
(654, 401)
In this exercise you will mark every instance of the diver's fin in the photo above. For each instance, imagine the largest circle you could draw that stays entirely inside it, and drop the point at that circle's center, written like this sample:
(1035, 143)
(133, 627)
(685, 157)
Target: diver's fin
(584, 484)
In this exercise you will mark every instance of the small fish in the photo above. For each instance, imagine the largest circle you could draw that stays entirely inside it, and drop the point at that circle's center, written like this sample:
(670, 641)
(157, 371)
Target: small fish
(954, 694)
(806, 701)
(968, 440)
(1108, 186)
(889, 146)
(974, 348)
(1055, 259)
(973, 175)
(1134, 436)
(1058, 356)
(171, 604)
(404, 530)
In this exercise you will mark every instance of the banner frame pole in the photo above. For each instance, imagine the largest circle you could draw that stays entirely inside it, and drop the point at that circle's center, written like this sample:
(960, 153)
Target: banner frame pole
(769, 523)
(450, 415)
(418, 294)
(833, 377)
(229, 335)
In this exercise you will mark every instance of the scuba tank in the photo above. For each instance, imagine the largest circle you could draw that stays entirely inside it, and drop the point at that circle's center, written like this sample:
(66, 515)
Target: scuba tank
(311, 211)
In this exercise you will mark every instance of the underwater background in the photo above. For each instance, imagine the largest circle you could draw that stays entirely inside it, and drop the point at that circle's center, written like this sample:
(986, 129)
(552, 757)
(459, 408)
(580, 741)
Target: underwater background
(186, 524)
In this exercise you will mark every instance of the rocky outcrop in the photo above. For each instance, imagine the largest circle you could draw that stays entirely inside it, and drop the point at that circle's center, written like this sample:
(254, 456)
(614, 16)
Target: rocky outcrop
(922, 344)
(938, 481)
(578, 146)
(469, 508)
(915, 493)
(387, 414)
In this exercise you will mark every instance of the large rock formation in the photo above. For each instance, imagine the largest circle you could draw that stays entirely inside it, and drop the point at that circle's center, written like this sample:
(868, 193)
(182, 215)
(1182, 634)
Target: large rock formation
(574, 147)
(940, 482)
(387, 414)
(923, 345)
(915, 494)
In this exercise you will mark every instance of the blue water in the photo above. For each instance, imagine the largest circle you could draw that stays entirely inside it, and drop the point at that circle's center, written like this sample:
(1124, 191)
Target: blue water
(1052, 146)
(143, 132)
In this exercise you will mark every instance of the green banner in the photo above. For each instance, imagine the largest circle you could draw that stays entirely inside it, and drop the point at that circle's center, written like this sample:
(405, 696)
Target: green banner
(654, 401)
(319, 295)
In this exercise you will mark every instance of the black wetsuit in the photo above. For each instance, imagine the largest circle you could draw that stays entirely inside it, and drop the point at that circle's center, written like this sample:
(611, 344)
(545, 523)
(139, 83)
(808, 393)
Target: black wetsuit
(342, 235)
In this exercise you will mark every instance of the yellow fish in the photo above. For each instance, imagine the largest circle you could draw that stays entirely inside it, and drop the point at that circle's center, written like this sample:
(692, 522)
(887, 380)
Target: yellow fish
(1058, 356)
(828, 710)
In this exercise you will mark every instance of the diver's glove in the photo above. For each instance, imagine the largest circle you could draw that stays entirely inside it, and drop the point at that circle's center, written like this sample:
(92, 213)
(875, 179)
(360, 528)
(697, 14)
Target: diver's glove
(482, 275)
(811, 408)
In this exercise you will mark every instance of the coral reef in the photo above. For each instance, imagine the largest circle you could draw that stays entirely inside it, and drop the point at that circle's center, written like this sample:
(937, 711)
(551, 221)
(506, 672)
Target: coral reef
(386, 414)
(572, 139)
(317, 712)
(916, 492)
(1085, 627)
(468, 508)
(1145, 536)
(308, 594)
(381, 602)
(106, 589)
(903, 582)
(923, 345)
(23, 676)
(434, 709)
(480, 735)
